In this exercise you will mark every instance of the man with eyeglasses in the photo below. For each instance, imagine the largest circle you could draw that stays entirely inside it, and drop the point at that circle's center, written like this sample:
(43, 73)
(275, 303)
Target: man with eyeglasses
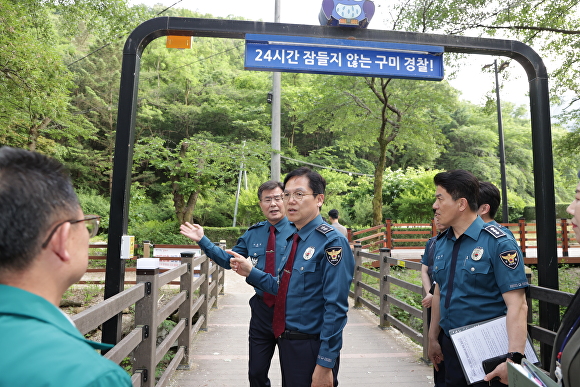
(263, 243)
(44, 245)
(311, 287)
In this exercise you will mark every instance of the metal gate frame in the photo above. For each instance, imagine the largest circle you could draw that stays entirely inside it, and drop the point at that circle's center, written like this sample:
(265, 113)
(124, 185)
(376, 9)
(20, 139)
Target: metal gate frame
(236, 29)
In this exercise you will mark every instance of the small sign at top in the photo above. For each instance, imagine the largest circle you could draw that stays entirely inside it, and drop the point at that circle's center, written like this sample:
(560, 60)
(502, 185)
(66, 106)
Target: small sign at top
(346, 13)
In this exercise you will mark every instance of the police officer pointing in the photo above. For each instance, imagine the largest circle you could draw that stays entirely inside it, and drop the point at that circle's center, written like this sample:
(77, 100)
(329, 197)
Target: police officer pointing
(313, 284)
(480, 275)
(263, 242)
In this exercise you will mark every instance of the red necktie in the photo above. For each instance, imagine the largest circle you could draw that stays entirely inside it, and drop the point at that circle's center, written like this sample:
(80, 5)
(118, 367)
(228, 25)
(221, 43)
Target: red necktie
(270, 299)
(279, 320)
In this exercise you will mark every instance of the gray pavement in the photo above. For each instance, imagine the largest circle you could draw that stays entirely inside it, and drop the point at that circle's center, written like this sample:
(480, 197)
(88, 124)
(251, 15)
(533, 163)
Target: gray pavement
(370, 356)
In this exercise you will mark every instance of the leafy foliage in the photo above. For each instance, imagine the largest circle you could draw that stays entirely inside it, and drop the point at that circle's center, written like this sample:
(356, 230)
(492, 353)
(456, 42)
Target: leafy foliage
(201, 119)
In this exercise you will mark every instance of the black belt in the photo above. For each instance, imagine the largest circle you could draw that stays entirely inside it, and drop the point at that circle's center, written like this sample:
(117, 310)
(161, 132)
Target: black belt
(293, 335)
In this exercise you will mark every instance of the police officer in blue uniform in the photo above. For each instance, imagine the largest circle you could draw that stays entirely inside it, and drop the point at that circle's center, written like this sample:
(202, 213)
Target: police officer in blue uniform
(488, 203)
(427, 260)
(319, 282)
(480, 275)
(253, 244)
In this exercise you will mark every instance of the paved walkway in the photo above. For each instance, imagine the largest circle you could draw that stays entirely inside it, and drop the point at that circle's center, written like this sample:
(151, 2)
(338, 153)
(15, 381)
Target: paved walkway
(370, 356)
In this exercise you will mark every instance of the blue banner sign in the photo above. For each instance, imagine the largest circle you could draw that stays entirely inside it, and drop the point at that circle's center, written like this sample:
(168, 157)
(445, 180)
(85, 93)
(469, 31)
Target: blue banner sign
(300, 54)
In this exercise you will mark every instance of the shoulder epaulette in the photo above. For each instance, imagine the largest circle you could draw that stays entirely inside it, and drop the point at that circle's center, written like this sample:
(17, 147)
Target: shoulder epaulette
(495, 231)
(324, 228)
(256, 225)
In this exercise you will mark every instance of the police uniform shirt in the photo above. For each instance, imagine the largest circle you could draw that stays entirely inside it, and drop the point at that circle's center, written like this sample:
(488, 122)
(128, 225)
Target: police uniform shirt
(428, 255)
(317, 299)
(489, 263)
(252, 245)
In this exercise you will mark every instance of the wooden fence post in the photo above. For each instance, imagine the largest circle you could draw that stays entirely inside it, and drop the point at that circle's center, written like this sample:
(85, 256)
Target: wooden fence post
(357, 276)
(146, 316)
(146, 249)
(349, 235)
(204, 292)
(565, 240)
(221, 270)
(385, 287)
(522, 229)
(214, 281)
(388, 234)
(185, 282)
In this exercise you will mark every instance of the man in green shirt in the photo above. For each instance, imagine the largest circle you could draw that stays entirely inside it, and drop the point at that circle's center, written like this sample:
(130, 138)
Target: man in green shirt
(44, 241)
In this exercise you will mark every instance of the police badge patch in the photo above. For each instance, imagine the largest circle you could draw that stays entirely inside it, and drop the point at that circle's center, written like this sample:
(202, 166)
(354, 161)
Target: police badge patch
(510, 258)
(477, 253)
(308, 253)
(333, 254)
(254, 261)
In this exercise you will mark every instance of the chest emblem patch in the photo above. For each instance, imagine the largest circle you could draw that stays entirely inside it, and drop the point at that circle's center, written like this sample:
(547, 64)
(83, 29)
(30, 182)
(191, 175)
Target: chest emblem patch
(254, 261)
(308, 253)
(477, 253)
(510, 258)
(333, 255)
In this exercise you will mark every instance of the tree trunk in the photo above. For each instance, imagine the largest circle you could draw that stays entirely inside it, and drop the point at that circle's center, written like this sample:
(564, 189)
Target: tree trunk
(378, 183)
(34, 133)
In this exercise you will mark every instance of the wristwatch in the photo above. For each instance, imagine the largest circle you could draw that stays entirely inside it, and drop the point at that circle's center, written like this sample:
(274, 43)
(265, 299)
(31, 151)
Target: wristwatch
(516, 357)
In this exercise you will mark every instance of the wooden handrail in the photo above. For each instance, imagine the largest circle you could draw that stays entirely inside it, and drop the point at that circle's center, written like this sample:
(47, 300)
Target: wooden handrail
(386, 299)
(142, 339)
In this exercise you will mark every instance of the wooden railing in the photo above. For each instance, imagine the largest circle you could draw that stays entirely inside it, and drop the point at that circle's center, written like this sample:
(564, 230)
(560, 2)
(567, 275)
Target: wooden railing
(386, 300)
(193, 312)
(414, 235)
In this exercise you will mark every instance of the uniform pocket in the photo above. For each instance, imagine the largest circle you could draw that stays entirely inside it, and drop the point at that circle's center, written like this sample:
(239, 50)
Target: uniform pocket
(476, 274)
(257, 256)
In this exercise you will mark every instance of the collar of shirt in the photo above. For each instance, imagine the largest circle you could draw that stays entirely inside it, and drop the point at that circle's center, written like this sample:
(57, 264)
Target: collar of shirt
(472, 231)
(305, 231)
(282, 223)
(18, 302)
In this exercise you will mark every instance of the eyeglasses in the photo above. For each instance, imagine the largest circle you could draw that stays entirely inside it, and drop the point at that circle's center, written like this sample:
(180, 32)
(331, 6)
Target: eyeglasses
(269, 199)
(298, 195)
(91, 222)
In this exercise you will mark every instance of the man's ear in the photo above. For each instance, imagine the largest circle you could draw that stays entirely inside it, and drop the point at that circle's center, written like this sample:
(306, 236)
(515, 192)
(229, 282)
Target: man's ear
(320, 199)
(484, 209)
(463, 205)
(58, 242)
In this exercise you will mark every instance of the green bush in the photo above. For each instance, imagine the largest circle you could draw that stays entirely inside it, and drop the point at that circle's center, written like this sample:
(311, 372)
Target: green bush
(92, 203)
(167, 233)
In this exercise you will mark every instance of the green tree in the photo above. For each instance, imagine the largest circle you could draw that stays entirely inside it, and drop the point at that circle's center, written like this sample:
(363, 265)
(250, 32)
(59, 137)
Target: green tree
(196, 166)
(382, 117)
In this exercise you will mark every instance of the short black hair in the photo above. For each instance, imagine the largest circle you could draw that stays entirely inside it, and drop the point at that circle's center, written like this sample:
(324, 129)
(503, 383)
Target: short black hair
(315, 181)
(333, 214)
(269, 185)
(460, 183)
(35, 193)
(489, 194)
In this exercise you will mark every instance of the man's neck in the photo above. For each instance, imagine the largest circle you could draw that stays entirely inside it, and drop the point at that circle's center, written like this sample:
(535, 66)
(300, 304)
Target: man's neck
(463, 222)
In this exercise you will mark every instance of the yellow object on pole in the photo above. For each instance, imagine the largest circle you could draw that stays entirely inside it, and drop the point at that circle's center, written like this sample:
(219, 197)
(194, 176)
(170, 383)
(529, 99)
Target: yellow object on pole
(178, 41)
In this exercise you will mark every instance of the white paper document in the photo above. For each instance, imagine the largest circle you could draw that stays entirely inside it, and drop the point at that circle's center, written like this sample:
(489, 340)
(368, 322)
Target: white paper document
(478, 342)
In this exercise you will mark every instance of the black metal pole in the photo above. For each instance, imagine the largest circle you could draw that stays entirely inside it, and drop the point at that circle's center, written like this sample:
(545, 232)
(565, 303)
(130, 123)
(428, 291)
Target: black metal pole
(120, 191)
(504, 198)
(545, 206)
